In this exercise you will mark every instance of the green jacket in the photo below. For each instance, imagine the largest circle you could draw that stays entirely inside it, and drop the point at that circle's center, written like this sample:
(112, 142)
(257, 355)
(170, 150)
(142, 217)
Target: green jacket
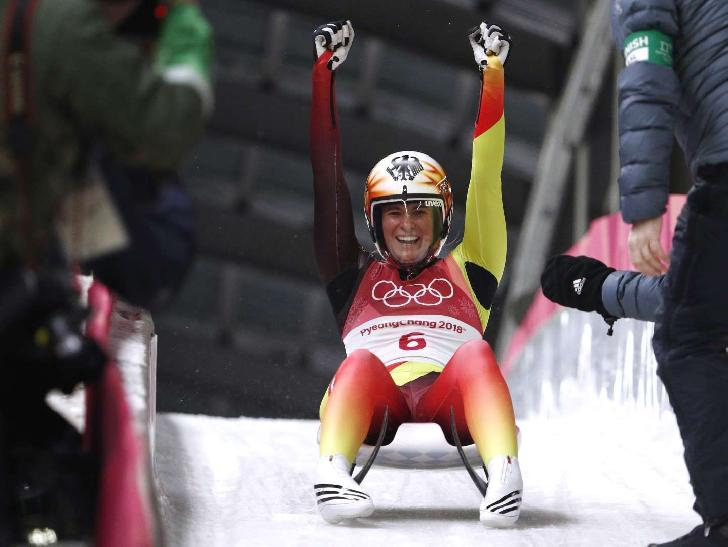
(89, 85)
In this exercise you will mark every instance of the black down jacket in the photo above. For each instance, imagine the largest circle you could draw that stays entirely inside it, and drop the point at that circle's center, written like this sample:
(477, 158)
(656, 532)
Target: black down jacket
(689, 100)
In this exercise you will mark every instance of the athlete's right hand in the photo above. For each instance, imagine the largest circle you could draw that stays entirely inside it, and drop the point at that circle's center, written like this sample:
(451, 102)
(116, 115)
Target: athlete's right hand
(337, 37)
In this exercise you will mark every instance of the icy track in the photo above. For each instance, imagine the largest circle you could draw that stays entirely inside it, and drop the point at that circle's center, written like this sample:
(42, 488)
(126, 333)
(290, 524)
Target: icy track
(611, 477)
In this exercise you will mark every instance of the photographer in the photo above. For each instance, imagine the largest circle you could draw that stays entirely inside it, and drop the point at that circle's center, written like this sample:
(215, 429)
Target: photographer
(93, 127)
(88, 85)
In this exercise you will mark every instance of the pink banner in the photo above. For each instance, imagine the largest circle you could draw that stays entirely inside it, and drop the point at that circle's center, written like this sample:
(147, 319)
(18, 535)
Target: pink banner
(124, 510)
(606, 240)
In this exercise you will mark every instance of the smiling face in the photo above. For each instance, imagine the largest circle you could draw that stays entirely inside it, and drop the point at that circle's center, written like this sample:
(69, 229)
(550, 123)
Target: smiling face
(408, 231)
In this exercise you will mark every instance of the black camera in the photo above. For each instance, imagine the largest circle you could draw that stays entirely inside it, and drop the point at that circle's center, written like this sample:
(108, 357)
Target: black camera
(42, 345)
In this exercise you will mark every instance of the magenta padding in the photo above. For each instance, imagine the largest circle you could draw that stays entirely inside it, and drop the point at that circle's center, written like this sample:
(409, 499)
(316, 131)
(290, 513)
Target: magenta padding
(123, 517)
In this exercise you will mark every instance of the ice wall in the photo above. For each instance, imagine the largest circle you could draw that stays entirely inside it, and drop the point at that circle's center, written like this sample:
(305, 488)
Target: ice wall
(571, 364)
(562, 360)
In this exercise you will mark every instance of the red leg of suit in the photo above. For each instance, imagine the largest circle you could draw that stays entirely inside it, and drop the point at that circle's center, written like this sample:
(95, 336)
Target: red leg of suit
(360, 391)
(473, 385)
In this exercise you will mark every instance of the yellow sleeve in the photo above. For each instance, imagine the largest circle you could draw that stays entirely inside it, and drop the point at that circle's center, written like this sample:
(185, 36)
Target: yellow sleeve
(482, 253)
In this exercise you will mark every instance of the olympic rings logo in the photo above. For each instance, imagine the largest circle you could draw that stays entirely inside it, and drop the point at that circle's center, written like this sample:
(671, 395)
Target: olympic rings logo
(434, 294)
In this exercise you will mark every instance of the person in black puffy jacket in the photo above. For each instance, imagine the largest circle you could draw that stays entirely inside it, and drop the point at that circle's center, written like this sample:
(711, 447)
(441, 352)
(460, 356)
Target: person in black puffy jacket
(675, 84)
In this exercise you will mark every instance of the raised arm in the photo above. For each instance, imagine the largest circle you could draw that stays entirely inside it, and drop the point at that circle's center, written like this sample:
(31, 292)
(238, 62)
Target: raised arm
(482, 253)
(336, 247)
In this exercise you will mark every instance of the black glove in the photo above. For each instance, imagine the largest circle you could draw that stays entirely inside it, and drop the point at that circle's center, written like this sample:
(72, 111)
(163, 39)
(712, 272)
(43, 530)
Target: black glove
(576, 282)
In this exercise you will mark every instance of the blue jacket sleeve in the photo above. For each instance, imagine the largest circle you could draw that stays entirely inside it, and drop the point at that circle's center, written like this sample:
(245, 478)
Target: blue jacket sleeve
(648, 100)
(632, 295)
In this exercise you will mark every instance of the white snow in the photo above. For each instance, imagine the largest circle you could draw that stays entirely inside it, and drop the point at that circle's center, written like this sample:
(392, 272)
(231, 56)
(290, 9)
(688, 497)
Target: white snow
(609, 475)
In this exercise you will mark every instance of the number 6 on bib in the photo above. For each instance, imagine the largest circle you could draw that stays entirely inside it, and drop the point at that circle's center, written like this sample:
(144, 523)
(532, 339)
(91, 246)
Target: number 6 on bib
(409, 342)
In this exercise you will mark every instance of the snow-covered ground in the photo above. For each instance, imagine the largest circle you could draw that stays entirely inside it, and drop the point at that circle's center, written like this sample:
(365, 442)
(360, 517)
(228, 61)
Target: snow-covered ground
(607, 475)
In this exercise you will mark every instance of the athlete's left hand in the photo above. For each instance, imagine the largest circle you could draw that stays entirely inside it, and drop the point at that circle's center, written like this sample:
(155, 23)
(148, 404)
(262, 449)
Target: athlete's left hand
(489, 40)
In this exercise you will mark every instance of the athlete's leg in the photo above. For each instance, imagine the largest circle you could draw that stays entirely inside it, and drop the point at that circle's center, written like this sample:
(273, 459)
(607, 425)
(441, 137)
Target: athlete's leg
(473, 385)
(352, 410)
(357, 396)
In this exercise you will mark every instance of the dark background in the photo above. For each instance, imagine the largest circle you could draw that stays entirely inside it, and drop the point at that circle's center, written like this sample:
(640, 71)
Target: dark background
(252, 333)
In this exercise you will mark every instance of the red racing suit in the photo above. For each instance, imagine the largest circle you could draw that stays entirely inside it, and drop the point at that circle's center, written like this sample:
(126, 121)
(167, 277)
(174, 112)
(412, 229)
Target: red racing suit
(413, 327)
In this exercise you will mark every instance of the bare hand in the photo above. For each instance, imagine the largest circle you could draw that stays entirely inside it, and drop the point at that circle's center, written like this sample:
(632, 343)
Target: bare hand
(645, 250)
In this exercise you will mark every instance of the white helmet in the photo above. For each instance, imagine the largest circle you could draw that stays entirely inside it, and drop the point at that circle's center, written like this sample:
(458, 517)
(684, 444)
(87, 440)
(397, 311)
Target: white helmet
(408, 176)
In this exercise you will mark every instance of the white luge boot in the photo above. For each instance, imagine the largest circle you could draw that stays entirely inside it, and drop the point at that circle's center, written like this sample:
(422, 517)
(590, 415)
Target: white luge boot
(502, 502)
(338, 496)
